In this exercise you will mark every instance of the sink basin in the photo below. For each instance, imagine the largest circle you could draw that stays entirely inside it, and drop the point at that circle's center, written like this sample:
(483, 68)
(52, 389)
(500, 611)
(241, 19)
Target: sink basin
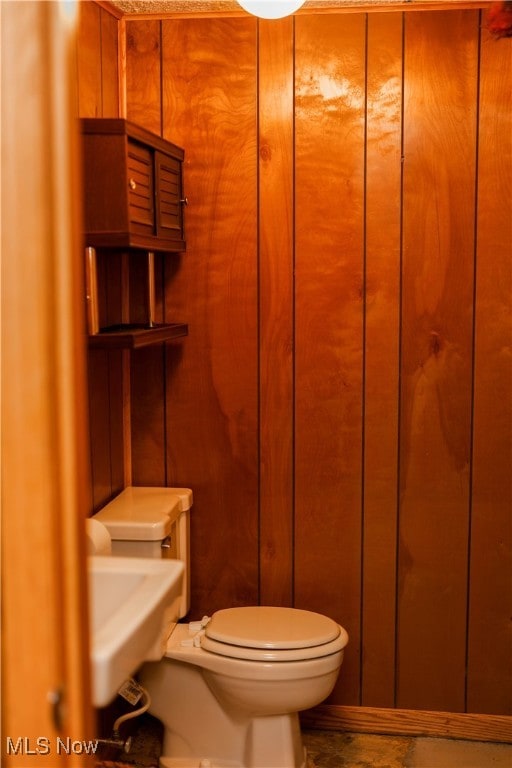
(133, 606)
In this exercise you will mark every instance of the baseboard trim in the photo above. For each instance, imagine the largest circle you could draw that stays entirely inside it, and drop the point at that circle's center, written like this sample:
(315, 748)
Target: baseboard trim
(409, 722)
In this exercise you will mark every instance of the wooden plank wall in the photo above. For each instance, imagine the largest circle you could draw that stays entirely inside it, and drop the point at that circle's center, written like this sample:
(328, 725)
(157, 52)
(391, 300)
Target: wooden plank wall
(98, 88)
(488, 688)
(342, 405)
(212, 392)
(436, 357)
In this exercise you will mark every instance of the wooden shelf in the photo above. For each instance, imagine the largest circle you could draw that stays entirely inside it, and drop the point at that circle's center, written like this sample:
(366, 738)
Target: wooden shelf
(136, 336)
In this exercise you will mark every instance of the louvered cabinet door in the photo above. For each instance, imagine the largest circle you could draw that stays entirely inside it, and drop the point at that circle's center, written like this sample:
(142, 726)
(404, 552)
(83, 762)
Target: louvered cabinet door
(169, 211)
(140, 188)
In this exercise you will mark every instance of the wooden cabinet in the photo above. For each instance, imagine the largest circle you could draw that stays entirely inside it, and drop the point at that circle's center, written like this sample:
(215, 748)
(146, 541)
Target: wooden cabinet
(133, 183)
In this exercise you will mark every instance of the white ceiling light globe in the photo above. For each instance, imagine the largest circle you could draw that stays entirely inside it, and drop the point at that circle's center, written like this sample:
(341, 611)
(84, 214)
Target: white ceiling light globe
(271, 9)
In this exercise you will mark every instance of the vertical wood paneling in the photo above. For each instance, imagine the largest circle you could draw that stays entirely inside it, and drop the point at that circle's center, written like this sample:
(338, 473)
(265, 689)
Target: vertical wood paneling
(143, 86)
(438, 265)
(97, 78)
(215, 410)
(330, 101)
(97, 62)
(105, 425)
(276, 310)
(109, 65)
(89, 61)
(147, 370)
(106, 389)
(148, 416)
(146, 380)
(99, 426)
(490, 640)
(117, 394)
(209, 107)
(382, 318)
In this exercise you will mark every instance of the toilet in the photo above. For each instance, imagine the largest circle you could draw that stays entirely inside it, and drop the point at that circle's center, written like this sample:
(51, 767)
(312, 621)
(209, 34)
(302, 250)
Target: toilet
(229, 687)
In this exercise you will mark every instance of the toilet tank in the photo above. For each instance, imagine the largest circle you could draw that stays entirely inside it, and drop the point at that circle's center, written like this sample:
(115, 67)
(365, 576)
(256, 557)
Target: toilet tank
(146, 521)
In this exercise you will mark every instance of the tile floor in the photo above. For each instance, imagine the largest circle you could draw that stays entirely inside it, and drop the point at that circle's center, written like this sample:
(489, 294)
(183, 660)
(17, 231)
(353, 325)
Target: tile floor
(331, 749)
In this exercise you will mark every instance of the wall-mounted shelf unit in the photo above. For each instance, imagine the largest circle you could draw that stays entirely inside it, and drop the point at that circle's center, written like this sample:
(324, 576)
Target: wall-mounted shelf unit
(133, 206)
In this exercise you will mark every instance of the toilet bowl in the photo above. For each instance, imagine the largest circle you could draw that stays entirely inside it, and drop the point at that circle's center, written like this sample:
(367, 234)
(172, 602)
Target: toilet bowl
(229, 695)
(229, 688)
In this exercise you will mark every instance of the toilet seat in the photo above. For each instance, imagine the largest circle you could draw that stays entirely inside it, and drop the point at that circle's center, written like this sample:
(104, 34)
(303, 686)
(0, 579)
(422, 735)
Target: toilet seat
(267, 633)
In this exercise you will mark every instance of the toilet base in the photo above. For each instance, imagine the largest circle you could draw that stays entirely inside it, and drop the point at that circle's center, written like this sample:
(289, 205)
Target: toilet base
(177, 762)
(270, 742)
(275, 742)
(194, 762)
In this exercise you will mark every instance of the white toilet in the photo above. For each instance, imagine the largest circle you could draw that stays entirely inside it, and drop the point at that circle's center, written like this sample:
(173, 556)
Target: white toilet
(229, 688)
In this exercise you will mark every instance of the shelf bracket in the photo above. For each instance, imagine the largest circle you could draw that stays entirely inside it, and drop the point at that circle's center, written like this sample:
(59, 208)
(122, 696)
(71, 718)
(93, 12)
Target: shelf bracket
(91, 279)
(151, 289)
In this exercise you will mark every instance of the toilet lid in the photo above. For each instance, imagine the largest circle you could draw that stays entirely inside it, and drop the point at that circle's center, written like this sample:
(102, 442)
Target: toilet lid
(271, 628)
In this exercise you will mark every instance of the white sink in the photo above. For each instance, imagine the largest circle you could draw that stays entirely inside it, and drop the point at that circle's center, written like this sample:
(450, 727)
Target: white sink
(133, 606)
